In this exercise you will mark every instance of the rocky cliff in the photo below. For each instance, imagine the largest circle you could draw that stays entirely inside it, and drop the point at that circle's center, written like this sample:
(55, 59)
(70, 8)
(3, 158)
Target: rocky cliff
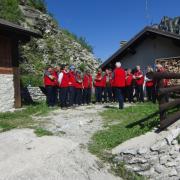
(57, 46)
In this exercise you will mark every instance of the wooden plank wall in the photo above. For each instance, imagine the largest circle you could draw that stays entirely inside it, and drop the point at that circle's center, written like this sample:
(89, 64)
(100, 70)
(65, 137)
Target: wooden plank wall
(5, 52)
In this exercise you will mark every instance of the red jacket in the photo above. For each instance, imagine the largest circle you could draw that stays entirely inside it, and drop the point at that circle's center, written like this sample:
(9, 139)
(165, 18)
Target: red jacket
(87, 81)
(129, 79)
(149, 83)
(51, 82)
(79, 85)
(98, 80)
(165, 81)
(72, 80)
(139, 81)
(65, 80)
(119, 77)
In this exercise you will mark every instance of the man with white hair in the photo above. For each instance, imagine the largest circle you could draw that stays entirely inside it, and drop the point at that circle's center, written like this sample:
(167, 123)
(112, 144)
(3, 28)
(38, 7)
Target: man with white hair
(119, 83)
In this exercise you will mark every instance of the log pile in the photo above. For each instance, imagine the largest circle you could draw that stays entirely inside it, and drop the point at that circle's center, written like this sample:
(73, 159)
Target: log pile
(171, 65)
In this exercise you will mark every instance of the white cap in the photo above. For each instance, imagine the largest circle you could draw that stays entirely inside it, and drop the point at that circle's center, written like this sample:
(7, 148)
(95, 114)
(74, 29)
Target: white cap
(118, 64)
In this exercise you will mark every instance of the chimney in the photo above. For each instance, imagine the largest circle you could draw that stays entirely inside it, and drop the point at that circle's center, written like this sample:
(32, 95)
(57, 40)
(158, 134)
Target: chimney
(122, 43)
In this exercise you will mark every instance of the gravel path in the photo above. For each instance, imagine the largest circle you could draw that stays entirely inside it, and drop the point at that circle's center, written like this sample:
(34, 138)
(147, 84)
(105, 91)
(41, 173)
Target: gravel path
(23, 156)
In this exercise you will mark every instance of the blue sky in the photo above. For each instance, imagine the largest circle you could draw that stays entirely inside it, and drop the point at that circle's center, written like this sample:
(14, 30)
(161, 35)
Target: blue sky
(104, 23)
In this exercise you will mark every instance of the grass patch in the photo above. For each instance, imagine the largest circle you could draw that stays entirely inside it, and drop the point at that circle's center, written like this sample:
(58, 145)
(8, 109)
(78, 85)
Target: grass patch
(24, 118)
(121, 171)
(42, 132)
(121, 125)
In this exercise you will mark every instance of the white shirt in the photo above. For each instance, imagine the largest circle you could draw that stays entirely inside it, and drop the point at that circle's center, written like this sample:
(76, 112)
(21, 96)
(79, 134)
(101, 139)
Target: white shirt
(60, 76)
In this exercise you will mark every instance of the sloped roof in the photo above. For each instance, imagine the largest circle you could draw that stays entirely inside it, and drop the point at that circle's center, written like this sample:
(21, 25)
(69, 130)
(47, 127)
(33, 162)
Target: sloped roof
(142, 34)
(16, 29)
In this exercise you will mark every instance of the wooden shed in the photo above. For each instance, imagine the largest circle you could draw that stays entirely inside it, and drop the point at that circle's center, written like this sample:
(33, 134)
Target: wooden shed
(10, 37)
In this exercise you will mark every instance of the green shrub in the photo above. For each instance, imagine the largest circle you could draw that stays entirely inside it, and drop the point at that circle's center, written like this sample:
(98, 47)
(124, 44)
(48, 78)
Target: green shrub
(81, 40)
(31, 80)
(10, 11)
(38, 4)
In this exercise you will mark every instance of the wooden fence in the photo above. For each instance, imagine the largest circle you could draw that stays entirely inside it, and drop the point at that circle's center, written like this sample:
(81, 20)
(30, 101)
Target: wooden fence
(165, 106)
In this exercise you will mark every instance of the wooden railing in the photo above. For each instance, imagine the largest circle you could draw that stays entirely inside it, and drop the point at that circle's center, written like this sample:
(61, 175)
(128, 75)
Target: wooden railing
(165, 106)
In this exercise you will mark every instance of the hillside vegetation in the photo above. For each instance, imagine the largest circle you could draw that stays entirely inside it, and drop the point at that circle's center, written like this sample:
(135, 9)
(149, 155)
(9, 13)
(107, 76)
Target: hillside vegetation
(57, 46)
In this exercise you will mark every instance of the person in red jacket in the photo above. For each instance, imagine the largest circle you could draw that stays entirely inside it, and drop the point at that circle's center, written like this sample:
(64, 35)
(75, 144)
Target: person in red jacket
(79, 87)
(50, 82)
(119, 83)
(63, 80)
(159, 68)
(107, 84)
(71, 84)
(129, 85)
(139, 79)
(150, 86)
(87, 83)
(98, 84)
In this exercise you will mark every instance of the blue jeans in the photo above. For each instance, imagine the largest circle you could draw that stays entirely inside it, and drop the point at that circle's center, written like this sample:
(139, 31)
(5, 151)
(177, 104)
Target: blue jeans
(119, 97)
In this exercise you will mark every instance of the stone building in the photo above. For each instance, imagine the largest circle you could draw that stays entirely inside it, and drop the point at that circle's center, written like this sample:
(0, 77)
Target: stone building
(10, 37)
(144, 48)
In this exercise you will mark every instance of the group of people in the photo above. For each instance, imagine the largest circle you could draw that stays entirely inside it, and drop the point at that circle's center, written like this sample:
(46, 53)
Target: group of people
(69, 87)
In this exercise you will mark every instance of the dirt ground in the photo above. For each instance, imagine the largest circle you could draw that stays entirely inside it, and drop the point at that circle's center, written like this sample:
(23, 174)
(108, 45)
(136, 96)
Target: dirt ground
(24, 156)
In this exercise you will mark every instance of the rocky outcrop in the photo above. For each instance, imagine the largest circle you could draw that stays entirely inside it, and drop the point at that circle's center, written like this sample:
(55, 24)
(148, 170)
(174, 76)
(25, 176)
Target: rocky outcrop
(169, 24)
(160, 161)
(56, 47)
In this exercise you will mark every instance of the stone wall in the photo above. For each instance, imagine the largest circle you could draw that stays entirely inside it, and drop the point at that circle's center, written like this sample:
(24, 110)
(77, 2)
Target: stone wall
(159, 161)
(6, 92)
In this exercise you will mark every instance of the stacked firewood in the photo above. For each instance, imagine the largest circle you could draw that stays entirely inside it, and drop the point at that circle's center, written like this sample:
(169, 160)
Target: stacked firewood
(171, 65)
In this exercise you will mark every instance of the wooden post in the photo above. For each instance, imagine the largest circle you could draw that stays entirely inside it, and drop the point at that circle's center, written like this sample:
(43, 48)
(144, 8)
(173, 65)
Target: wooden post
(161, 100)
(17, 90)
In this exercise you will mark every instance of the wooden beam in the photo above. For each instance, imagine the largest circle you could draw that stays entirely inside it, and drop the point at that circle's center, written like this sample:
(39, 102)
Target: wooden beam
(163, 75)
(166, 106)
(6, 70)
(168, 90)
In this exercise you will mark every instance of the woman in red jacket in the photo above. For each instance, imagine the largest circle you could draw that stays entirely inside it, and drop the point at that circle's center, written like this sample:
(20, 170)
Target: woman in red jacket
(50, 82)
(98, 84)
(79, 88)
(63, 80)
(150, 86)
(129, 85)
(139, 78)
(87, 83)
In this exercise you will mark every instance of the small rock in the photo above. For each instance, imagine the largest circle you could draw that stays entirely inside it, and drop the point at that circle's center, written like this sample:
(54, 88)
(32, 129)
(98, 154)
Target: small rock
(159, 169)
(159, 145)
(130, 151)
(118, 159)
(142, 150)
(171, 164)
(164, 159)
(174, 142)
(138, 160)
(172, 172)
